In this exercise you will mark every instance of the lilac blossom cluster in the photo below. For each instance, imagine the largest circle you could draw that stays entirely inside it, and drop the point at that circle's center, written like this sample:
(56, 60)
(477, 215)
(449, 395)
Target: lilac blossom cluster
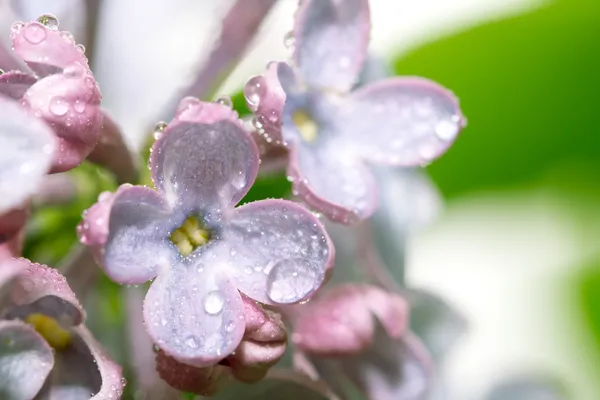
(228, 303)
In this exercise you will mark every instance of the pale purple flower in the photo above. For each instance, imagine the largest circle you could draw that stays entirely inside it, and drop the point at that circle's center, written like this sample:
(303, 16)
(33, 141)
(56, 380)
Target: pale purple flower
(332, 133)
(273, 251)
(60, 88)
(359, 333)
(45, 350)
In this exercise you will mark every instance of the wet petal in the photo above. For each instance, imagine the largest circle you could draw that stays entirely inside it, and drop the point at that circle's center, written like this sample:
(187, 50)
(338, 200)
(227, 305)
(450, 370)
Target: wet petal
(280, 384)
(333, 183)
(266, 96)
(14, 84)
(25, 361)
(263, 345)
(341, 320)
(204, 158)
(70, 103)
(193, 312)
(401, 121)
(84, 371)
(28, 146)
(279, 253)
(331, 39)
(198, 380)
(40, 289)
(137, 245)
(46, 51)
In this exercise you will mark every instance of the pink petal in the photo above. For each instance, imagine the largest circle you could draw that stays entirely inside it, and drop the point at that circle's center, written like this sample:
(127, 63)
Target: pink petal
(205, 380)
(331, 39)
(14, 84)
(46, 51)
(193, 312)
(28, 146)
(263, 345)
(70, 103)
(10, 269)
(279, 253)
(43, 289)
(25, 360)
(340, 321)
(129, 234)
(204, 158)
(401, 121)
(332, 183)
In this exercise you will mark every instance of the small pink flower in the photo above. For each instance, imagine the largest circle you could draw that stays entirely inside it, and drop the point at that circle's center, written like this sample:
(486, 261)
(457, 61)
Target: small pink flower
(359, 333)
(273, 251)
(75, 367)
(331, 133)
(61, 90)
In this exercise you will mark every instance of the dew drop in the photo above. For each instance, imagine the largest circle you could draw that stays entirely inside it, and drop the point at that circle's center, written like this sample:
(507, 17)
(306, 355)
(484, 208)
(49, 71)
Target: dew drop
(447, 130)
(213, 302)
(289, 40)
(35, 33)
(292, 279)
(74, 70)
(49, 21)
(16, 27)
(79, 106)
(59, 106)
(254, 91)
(68, 36)
(230, 326)
(159, 129)
(155, 348)
(192, 341)
(81, 48)
(224, 101)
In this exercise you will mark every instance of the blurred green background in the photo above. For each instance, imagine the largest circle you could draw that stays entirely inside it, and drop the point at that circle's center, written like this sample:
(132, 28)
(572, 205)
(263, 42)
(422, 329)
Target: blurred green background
(530, 88)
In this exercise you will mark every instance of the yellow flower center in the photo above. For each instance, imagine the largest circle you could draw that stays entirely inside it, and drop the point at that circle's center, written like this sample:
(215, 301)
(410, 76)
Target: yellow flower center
(189, 236)
(306, 125)
(50, 329)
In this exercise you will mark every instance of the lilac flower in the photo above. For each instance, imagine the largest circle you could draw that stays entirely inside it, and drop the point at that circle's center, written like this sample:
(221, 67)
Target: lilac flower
(45, 350)
(262, 346)
(200, 249)
(331, 133)
(60, 90)
(358, 332)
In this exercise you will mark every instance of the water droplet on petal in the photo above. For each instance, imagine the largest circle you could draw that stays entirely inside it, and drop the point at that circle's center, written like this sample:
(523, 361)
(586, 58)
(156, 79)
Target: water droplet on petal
(59, 106)
(230, 326)
(81, 48)
(293, 279)
(213, 302)
(74, 70)
(289, 40)
(1, 71)
(35, 33)
(254, 91)
(49, 21)
(192, 341)
(447, 130)
(16, 27)
(224, 101)
(159, 129)
(79, 106)
(68, 36)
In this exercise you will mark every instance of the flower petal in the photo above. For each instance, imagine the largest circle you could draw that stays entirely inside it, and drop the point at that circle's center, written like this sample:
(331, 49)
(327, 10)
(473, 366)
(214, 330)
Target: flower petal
(137, 245)
(401, 121)
(279, 252)
(204, 157)
(40, 289)
(10, 269)
(57, 50)
(28, 146)
(331, 39)
(332, 183)
(280, 384)
(340, 321)
(25, 361)
(70, 103)
(14, 84)
(193, 312)
(83, 371)
(266, 97)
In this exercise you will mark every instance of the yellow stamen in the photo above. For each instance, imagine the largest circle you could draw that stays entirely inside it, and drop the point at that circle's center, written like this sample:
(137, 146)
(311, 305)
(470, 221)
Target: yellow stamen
(190, 236)
(306, 125)
(49, 328)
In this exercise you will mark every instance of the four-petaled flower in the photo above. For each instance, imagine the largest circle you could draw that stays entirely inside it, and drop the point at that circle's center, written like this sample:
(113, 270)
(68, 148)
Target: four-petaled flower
(330, 132)
(200, 248)
(45, 350)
